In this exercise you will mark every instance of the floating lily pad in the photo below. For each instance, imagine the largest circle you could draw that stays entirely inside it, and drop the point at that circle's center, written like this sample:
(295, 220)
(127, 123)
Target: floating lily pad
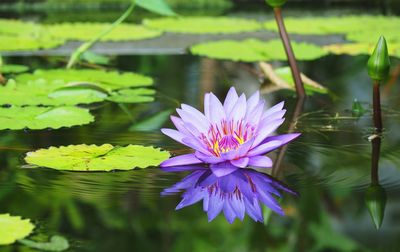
(71, 87)
(96, 158)
(87, 31)
(203, 24)
(252, 50)
(361, 48)
(25, 43)
(13, 69)
(338, 25)
(13, 27)
(13, 228)
(42, 117)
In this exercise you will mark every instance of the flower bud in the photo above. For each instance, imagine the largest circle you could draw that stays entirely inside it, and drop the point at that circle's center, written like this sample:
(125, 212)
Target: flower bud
(379, 62)
(375, 199)
(276, 3)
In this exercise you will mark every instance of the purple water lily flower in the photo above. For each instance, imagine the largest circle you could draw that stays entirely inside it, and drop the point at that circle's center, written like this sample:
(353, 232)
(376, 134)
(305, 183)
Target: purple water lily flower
(236, 132)
(234, 194)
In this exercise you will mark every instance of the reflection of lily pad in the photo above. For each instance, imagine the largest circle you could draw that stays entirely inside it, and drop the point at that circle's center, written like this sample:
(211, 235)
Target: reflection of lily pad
(87, 31)
(13, 228)
(203, 24)
(42, 117)
(70, 87)
(97, 158)
(252, 50)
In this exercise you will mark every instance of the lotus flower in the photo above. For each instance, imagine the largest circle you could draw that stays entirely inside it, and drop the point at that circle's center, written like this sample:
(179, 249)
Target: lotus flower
(235, 134)
(235, 194)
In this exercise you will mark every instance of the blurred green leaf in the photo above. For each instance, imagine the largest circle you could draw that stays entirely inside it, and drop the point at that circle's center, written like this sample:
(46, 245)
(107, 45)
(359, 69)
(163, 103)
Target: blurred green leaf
(57, 243)
(156, 6)
(95, 58)
(13, 228)
(154, 122)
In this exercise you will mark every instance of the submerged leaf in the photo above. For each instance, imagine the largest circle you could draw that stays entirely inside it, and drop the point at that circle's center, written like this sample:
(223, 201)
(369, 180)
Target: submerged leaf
(57, 243)
(97, 158)
(41, 117)
(252, 50)
(153, 122)
(310, 86)
(203, 24)
(13, 228)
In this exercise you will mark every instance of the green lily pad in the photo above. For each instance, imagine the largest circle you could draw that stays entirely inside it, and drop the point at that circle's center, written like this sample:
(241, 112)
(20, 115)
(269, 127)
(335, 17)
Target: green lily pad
(252, 50)
(43, 117)
(56, 243)
(13, 69)
(361, 48)
(13, 228)
(26, 43)
(13, 27)
(201, 25)
(87, 31)
(71, 87)
(338, 25)
(96, 158)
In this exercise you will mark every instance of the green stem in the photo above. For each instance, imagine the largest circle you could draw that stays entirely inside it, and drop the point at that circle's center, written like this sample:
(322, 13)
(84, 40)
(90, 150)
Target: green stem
(87, 45)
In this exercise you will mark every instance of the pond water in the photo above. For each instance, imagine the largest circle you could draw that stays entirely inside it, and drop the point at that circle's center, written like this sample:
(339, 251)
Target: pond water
(329, 166)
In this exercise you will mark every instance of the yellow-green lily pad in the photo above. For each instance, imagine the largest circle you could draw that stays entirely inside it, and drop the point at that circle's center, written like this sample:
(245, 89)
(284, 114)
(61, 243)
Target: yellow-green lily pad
(252, 50)
(87, 31)
(202, 25)
(43, 117)
(13, 228)
(105, 157)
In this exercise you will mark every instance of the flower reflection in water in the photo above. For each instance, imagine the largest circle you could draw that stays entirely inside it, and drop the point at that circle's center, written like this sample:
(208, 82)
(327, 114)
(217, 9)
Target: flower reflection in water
(234, 194)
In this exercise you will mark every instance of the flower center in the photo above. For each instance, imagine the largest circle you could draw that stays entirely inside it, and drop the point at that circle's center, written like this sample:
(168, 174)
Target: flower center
(227, 136)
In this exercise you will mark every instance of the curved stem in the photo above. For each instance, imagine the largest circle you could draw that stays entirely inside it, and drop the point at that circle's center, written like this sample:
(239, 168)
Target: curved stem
(87, 45)
(289, 52)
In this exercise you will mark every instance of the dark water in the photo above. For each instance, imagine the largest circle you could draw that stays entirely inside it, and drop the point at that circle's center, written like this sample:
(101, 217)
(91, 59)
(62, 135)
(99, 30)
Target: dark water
(330, 167)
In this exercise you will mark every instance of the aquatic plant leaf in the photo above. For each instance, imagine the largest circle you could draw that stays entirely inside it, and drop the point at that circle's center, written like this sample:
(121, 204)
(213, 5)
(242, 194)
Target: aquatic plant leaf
(156, 6)
(87, 31)
(132, 95)
(153, 122)
(71, 87)
(97, 158)
(56, 243)
(26, 43)
(13, 69)
(95, 58)
(107, 80)
(252, 50)
(360, 48)
(13, 27)
(13, 228)
(43, 117)
(339, 25)
(199, 25)
(310, 87)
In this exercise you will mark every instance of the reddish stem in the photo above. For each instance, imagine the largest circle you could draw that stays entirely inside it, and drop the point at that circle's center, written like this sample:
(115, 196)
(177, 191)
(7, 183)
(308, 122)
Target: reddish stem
(377, 107)
(289, 52)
